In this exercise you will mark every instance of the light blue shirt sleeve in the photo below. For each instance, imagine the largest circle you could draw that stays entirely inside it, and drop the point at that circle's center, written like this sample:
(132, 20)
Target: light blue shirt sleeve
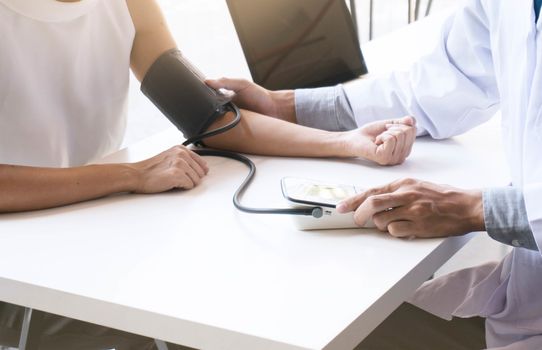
(324, 108)
(506, 218)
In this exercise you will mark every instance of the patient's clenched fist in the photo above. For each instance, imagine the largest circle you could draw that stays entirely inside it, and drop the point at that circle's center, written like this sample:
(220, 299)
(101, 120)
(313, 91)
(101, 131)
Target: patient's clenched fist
(177, 167)
(387, 142)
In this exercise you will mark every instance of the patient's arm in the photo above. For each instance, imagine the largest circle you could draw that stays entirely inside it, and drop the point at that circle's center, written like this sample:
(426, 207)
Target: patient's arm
(259, 134)
(30, 188)
(385, 142)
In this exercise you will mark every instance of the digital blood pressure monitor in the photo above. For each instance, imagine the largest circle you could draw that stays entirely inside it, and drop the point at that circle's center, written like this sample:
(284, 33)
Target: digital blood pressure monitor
(308, 193)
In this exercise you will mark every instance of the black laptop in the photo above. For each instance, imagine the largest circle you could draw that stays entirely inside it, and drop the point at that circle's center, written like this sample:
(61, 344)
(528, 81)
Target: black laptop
(292, 44)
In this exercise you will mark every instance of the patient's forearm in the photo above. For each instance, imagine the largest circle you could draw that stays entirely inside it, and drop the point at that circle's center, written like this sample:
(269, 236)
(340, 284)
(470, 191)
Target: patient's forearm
(30, 188)
(259, 134)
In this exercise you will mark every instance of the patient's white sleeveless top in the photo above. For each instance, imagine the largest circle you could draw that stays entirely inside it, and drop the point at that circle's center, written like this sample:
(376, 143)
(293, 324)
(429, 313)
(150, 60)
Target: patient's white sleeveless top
(64, 77)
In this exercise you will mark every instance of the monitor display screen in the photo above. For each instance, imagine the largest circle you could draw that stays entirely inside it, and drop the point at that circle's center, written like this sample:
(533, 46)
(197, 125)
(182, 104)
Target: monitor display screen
(292, 44)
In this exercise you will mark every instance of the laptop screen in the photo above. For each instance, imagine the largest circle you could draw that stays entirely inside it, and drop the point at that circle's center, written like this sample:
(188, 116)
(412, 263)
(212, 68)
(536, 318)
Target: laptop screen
(298, 43)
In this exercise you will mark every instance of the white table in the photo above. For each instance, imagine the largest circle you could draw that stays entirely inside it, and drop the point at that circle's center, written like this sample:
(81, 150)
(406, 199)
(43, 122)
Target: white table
(186, 267)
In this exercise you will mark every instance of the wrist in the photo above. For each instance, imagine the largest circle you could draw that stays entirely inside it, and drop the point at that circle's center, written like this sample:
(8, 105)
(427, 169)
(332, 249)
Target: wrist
(127, 177)
(350, 144)
(284, 101)
(475, 213)
(339, 144)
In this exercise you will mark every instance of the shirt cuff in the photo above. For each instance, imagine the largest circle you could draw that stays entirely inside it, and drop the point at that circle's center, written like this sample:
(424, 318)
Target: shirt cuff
(324, 108)
(506, 218)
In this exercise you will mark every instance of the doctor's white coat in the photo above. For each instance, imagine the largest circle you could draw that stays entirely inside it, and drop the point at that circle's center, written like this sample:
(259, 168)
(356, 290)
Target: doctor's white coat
(490, 57)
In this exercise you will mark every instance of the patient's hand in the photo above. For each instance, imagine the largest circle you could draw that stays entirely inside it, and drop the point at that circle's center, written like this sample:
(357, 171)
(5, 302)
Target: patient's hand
(387, 142)
(253, 97)
(178, 167)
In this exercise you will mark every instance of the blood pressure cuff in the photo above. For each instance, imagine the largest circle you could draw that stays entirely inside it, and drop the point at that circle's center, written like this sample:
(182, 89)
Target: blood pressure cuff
(178, 89)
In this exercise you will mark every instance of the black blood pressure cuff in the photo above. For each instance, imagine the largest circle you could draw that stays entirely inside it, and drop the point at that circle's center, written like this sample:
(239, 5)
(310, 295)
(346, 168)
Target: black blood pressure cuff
(178, 89)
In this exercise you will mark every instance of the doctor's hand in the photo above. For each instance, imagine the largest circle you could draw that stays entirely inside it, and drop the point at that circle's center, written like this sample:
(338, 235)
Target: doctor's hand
(386, 142)
(176, 168)
(414, 208)
(248, 95)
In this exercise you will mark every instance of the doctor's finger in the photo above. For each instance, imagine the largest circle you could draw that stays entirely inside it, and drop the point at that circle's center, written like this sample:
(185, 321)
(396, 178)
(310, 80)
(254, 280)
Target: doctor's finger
(353, 202)
(384, 218)
(235, 85)
(375, 205)
(402, 229)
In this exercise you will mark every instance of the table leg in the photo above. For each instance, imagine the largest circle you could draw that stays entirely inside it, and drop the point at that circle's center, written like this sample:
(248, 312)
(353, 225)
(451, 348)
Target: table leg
(31, 330)
(161, 345)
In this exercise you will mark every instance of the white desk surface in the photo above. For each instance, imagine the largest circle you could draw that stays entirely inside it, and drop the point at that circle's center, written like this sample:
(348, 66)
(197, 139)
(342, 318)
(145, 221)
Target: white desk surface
(186, 267)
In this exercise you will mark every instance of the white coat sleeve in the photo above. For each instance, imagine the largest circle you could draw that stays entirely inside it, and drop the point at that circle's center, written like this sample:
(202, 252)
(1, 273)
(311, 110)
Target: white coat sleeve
(449, 91)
